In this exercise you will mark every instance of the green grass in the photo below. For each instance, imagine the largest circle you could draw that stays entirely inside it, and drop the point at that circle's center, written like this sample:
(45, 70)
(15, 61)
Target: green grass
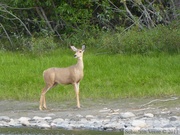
(106, 76)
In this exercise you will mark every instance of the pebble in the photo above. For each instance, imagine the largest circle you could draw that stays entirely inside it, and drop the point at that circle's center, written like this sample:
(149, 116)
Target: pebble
(139, 123)
(79, 116)
(128, 121)
(127, 115)
(89, 116)
(4, 118)
(58, 120)
(149, 115)
(24, 119)
(173, 118)
(37, 118)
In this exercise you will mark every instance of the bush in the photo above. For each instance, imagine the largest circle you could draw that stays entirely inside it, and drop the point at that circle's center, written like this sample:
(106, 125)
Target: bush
(39, 45)
(161, 39)
(33, 44)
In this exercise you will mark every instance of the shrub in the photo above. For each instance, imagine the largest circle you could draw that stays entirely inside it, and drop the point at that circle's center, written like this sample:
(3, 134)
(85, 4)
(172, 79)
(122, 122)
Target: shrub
(42, 44)
(160, 39)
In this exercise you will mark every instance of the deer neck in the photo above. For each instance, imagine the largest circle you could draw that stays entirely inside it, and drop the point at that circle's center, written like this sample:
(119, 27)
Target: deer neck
(80, 63)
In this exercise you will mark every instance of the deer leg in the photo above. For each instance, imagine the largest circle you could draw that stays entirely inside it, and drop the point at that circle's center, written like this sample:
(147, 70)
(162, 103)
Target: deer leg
(76, 88)
(42, 98)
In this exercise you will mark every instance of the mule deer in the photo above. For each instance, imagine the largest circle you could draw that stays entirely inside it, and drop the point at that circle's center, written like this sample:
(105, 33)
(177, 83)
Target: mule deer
(69, 75)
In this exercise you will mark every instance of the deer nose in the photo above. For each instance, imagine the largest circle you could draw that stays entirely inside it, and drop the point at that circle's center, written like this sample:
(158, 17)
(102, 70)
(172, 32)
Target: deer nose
(75, 55)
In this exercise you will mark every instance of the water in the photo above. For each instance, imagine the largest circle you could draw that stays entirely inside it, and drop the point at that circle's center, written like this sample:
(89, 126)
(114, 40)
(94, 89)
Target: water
(34, 131)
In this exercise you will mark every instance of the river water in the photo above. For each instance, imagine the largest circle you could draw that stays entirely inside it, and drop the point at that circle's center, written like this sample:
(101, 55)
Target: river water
(35, 131)
(32, 131)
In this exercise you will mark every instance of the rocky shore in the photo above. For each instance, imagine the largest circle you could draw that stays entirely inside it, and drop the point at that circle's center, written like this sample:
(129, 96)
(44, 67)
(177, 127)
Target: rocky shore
(110, 120)
(159, 120)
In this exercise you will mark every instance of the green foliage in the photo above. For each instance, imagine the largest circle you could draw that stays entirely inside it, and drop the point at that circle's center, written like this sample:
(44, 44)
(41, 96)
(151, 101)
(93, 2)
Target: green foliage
(41, 45)
(62, 17)
(162, 39)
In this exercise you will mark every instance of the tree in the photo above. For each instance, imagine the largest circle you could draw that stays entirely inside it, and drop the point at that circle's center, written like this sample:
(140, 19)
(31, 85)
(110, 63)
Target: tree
(63, 17)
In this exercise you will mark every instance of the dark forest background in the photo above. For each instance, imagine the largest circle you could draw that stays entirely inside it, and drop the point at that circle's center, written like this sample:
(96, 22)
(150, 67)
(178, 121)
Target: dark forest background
(66, 22)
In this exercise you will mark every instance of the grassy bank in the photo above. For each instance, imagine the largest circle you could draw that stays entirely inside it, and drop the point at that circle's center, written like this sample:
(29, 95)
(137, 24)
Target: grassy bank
(106, 76)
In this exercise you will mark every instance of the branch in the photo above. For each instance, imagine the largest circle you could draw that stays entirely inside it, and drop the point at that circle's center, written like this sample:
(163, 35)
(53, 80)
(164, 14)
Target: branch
(7, 6)
(6, 34)
(6, 11)
(128, 11)
(46, 19)
(148, 17)
(57, 22)
(161, 100)
(131, 15)
(174, 9)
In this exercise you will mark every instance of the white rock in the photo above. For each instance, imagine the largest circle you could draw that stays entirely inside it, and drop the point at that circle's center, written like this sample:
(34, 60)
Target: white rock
(79, 116)
(156, 123)
(68, 126)
(44, 125)
(37, 118)
(149, 115)
(83, 121)
(4, 124)
(127, 115)
(24, 119)
(89, 116)
(67, 120)
(150, 123)
(25, 123)
(94, 120)
(4, 118)
(136, 129)
(12, 122)
(105, 121)
(116, 110)
(165, 112)
(139, 123)
(164, 121)
(58, 120)
(47, 118)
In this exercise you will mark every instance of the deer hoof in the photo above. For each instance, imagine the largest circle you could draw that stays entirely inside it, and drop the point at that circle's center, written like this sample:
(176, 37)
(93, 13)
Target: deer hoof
(40, 108)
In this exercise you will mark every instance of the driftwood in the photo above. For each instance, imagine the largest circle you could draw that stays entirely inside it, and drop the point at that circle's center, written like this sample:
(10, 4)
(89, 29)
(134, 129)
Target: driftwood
(160, 100)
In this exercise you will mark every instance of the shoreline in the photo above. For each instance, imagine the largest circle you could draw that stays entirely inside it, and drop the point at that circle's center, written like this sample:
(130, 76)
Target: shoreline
(116, 116)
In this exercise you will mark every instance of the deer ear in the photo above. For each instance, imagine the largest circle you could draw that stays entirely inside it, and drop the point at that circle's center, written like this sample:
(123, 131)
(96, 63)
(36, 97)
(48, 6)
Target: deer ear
(83, 47)
(74, 48)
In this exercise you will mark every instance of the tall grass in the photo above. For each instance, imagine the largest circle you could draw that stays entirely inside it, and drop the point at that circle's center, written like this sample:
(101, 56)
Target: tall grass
(106, 76)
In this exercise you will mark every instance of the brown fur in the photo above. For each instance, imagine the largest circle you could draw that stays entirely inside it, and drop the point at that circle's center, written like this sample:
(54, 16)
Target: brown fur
(69, 75)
